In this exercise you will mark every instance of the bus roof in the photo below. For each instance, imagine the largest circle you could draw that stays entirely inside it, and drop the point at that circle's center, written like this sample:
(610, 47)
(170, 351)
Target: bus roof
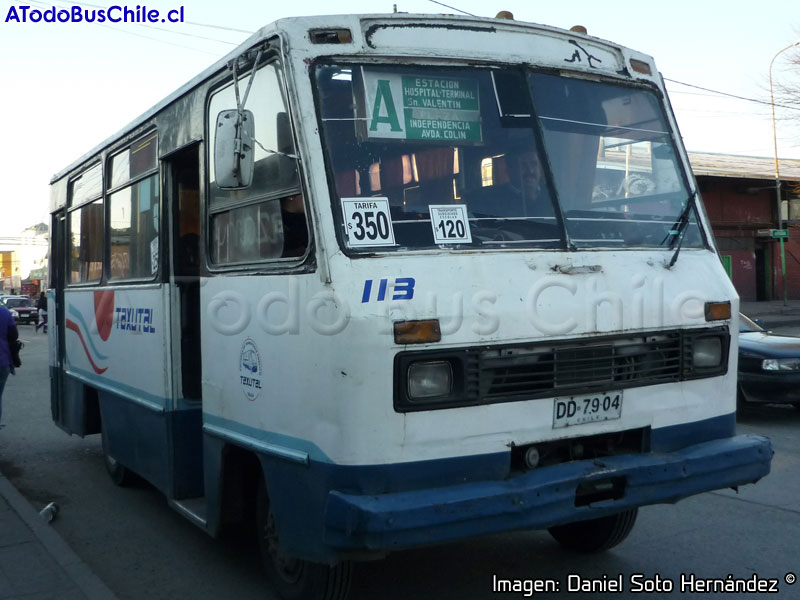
(364, 29)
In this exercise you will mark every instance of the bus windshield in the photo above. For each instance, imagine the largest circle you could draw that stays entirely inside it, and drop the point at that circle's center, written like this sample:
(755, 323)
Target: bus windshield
(425, 157)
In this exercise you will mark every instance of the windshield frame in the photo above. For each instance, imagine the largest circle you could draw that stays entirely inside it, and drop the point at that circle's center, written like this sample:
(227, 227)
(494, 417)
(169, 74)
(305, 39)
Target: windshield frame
(696, 216)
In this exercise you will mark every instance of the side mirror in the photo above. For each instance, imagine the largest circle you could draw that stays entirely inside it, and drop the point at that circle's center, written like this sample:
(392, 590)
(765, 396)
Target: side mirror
(233, 149)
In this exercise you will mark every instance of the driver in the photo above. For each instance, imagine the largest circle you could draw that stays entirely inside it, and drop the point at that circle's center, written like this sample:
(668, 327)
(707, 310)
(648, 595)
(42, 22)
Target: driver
(525, 173)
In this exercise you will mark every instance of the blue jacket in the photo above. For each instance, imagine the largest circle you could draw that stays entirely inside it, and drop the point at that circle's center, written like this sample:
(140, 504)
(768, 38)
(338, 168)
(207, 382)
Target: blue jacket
(8, 333)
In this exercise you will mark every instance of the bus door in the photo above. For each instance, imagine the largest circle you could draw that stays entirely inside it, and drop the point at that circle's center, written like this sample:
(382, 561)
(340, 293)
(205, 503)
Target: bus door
(183, 208)
(55, 315)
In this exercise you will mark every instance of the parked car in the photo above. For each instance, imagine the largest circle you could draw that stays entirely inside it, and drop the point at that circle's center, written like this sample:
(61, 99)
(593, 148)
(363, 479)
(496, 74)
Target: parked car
(21, 308)
(769, 366)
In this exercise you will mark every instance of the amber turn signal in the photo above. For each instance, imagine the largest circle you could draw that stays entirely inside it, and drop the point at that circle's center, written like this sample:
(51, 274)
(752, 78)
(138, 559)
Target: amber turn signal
(717, 311)
(417, 332)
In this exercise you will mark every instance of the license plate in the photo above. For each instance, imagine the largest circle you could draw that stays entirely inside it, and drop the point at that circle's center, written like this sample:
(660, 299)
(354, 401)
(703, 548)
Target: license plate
(586, 409)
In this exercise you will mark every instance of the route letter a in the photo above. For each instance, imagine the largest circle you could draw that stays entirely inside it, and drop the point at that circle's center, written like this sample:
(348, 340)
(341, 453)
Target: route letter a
(383, 95)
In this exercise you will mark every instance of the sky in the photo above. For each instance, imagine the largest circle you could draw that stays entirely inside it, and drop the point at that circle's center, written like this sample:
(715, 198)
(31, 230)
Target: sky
(66, 87)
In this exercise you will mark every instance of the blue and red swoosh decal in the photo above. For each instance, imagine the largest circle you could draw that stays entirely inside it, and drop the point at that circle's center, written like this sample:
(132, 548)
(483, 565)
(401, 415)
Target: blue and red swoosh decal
(104, 320)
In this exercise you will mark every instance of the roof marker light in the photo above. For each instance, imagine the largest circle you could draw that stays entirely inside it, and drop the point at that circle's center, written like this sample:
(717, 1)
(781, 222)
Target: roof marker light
(330, 36)
(640, 67)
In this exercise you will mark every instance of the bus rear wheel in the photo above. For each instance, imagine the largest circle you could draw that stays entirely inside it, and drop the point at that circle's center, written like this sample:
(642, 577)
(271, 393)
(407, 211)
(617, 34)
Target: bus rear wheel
(293, 578)
(595, 535)
(120, 475)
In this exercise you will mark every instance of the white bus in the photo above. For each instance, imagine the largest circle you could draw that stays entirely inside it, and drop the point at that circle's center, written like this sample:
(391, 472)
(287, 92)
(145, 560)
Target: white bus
(375, 282)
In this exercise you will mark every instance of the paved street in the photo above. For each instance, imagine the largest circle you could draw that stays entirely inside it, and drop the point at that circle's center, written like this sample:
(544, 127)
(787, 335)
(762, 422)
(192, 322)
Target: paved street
(140, 548)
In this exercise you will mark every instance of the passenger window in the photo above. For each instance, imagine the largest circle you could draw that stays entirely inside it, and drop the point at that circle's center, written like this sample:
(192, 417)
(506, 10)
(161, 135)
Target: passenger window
(134, 211)
(86, 243)
(133, 230)
(85, 225)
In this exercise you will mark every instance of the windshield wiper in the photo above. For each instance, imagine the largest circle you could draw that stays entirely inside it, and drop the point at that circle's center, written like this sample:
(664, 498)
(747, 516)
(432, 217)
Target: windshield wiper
(678, 231)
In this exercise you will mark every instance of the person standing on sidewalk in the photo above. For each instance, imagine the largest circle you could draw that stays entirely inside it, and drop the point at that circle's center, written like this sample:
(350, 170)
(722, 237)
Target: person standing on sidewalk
(8, 335)
(41, 304)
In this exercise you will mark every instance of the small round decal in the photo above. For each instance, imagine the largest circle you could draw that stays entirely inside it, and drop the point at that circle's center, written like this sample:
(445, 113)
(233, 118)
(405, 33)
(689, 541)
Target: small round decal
(250, 373)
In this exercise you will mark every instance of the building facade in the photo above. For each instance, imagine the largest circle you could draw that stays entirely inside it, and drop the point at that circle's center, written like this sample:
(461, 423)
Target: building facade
(740, 198)
(23, 260)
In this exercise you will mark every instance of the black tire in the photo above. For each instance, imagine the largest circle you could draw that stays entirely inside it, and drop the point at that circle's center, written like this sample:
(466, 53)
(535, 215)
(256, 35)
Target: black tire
(296, 579)
(595, 535)
(120, 475)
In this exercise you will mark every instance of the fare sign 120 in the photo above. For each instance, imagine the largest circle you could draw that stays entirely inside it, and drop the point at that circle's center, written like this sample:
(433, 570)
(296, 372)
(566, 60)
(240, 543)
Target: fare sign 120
(450, 224)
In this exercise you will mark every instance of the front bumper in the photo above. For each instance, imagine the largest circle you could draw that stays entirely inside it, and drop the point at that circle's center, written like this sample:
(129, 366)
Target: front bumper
(539, 498)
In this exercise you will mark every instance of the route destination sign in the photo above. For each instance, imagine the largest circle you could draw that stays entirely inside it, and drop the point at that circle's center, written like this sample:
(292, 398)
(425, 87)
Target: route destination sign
(409, 107)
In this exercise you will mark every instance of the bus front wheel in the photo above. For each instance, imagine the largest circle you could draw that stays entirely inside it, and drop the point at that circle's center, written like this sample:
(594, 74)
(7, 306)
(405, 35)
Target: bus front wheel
(293, 578)
(595, 535)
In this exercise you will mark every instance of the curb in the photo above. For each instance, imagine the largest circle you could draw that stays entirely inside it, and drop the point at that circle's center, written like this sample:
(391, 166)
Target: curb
(56, 547)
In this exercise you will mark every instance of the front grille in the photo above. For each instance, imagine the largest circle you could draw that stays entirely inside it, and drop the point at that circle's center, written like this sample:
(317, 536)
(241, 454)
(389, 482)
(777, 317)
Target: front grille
(553, 370)
(491, 374)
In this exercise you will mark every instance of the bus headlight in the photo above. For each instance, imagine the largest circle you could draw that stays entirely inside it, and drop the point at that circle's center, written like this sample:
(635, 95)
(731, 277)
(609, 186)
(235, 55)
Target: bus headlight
(429, 379)
(707, 352)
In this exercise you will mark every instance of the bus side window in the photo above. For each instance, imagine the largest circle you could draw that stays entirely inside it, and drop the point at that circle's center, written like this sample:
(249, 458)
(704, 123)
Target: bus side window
(85, 226)
(265, 220)
(86, 239)
(133, 210)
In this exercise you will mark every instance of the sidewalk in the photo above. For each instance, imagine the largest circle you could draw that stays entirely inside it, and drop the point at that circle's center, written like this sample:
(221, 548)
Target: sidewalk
(773, 314)
(35, 563)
